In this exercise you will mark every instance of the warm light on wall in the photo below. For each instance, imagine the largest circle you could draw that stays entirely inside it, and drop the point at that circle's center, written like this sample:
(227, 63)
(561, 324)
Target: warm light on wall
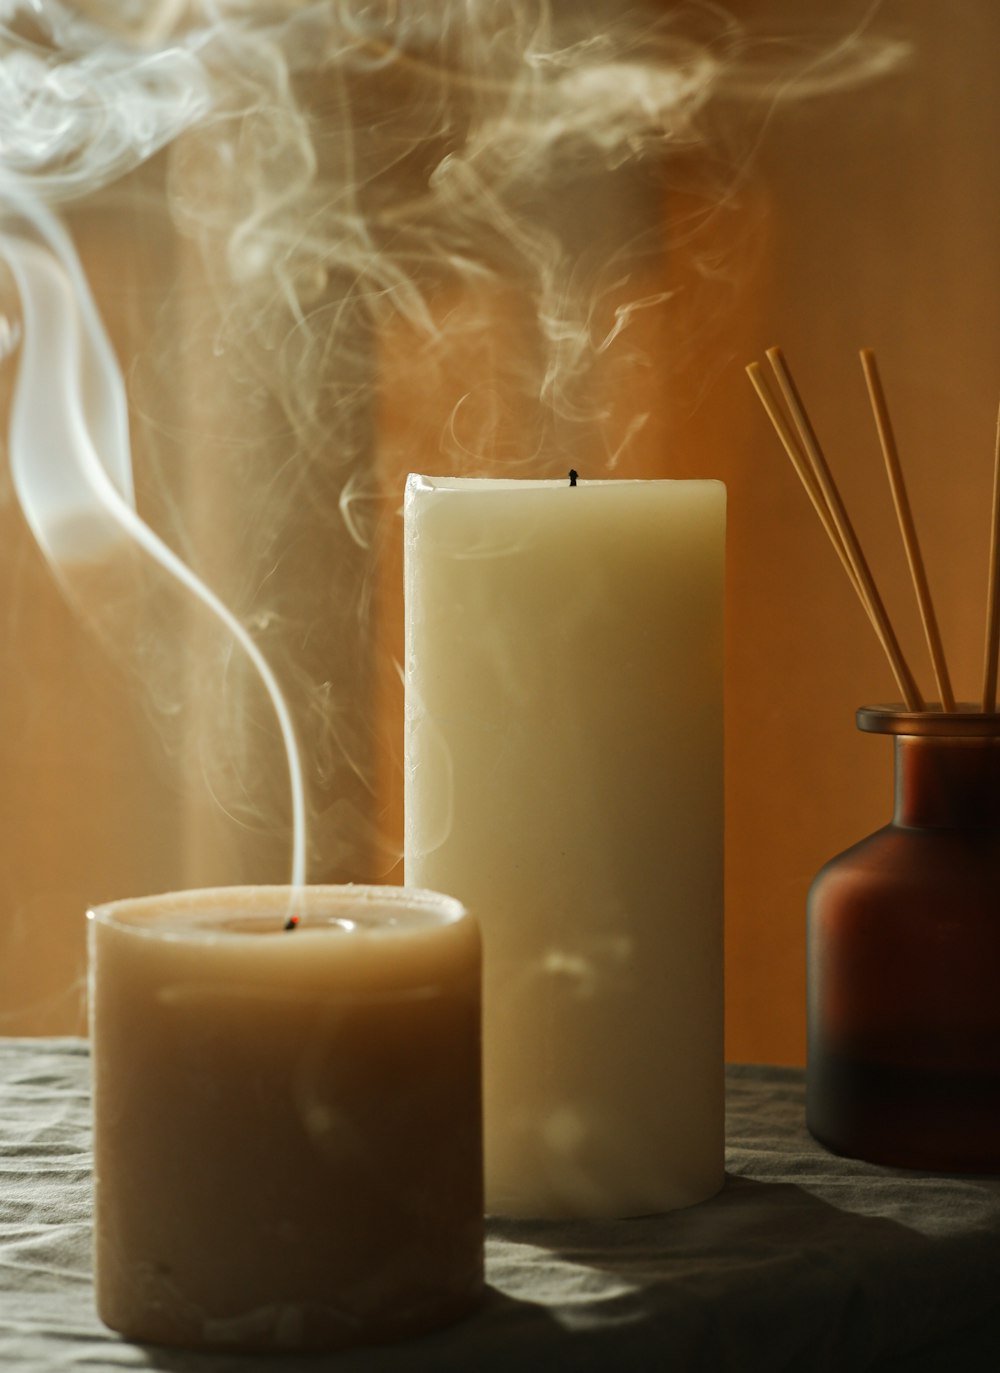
(829, 186)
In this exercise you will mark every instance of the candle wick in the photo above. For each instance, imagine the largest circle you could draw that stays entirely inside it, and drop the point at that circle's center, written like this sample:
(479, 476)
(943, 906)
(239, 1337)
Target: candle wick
(292, 922)
(572, 476)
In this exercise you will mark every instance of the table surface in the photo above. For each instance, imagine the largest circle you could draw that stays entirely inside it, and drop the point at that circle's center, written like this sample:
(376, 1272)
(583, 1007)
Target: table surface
(803, 1262)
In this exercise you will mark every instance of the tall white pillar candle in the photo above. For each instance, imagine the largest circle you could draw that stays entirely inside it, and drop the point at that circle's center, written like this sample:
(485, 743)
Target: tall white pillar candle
(563, 759)
(287, 1127)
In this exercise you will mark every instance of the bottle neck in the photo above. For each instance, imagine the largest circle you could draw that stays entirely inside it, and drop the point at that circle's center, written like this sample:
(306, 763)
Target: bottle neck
(947, 782)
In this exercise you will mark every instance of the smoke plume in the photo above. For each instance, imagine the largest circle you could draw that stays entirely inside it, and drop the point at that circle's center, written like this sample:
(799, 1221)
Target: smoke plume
(373, 236)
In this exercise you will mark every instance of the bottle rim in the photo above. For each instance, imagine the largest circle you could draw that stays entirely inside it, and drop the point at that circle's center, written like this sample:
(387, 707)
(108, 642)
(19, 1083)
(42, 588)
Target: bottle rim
(966, 721)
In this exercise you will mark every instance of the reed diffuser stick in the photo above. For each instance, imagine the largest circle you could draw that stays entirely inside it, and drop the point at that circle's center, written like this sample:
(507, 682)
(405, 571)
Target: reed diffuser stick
(805, 474)
(907, 528)
(993, 591)
(824, 477)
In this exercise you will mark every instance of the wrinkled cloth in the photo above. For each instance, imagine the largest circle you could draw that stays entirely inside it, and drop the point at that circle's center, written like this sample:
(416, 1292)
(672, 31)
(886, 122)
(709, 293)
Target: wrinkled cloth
(803, 1262)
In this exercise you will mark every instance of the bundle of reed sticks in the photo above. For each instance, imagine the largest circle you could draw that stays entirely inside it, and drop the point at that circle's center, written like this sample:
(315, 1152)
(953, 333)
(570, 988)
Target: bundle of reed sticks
(798, 438)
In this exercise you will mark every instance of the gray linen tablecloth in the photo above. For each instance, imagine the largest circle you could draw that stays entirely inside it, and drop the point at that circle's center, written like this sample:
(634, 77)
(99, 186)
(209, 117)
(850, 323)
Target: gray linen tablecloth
(803, 1262)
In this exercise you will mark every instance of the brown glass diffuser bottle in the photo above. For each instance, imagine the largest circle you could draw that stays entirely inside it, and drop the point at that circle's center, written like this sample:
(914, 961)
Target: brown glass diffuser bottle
(904, 958)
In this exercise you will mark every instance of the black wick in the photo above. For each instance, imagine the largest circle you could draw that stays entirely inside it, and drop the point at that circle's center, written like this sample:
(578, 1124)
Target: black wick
(572, 476)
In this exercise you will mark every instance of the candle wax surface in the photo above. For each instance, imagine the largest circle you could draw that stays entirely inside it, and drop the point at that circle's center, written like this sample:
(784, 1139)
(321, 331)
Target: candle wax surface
(287, 1122)
(563, 774)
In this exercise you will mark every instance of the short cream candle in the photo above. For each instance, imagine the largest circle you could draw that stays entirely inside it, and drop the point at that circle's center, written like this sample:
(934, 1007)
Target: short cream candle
(563, 757)
(287, 1144)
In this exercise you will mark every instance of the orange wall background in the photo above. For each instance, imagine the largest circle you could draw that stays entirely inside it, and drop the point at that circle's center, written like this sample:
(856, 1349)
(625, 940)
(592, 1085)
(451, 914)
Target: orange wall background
(862, 216)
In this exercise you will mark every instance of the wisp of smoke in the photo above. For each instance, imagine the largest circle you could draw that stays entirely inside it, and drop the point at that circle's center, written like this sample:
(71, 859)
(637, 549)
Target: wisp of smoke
(343, 173)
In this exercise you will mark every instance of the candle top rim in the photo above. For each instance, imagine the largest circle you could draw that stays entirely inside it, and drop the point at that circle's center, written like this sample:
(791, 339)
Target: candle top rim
(354, 910)
(418, 481)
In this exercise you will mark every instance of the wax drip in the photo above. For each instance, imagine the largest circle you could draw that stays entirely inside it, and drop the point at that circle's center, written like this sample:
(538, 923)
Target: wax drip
(572, 476)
